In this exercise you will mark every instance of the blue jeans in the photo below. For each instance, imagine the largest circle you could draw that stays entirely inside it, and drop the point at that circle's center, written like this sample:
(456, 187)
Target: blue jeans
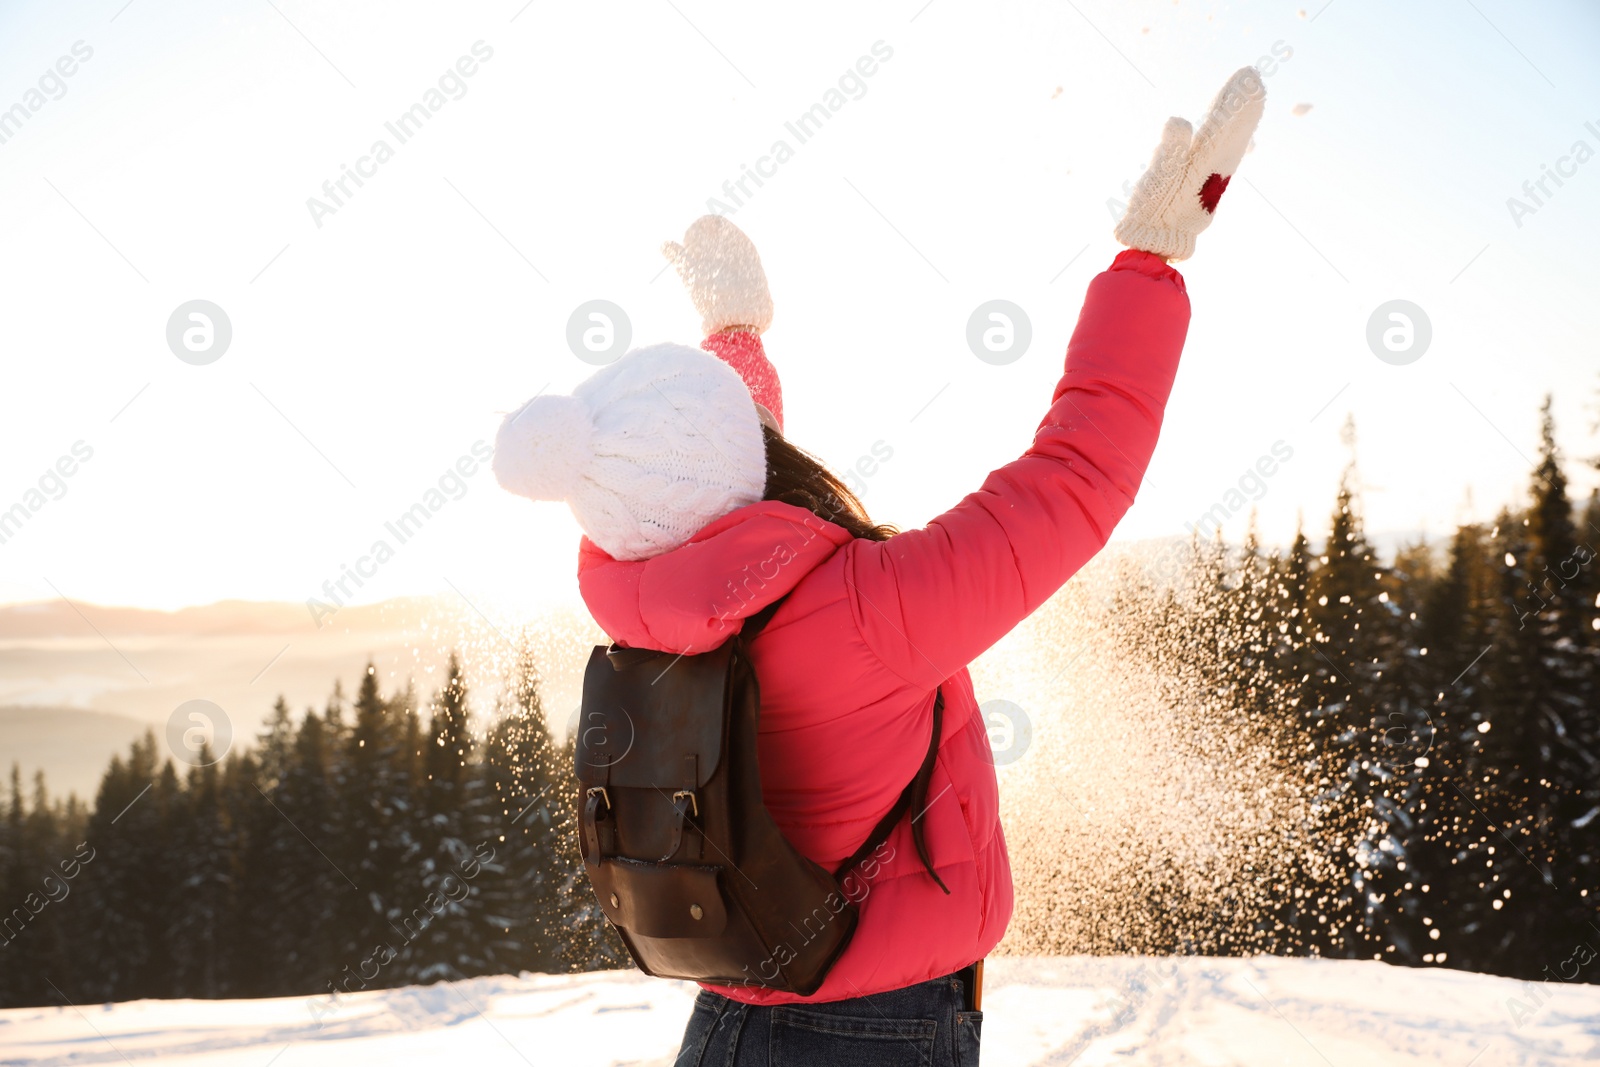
(919, 1026)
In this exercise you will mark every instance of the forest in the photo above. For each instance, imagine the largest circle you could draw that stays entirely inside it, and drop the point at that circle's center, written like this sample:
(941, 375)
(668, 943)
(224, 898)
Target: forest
(1440, 710)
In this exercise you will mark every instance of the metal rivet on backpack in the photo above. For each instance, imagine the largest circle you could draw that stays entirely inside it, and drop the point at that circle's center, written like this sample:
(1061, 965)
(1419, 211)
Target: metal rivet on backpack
(696, 911)
(615, 903)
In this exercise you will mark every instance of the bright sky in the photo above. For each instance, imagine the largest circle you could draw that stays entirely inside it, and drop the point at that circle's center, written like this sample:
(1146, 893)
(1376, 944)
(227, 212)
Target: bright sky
(370, 353)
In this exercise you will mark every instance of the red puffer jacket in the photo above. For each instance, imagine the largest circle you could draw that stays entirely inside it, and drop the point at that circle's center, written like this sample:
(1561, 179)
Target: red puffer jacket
(849, 664)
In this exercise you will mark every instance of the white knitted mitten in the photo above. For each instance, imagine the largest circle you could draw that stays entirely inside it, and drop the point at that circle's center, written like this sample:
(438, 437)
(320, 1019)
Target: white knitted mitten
(720, 268)
(1177, 195)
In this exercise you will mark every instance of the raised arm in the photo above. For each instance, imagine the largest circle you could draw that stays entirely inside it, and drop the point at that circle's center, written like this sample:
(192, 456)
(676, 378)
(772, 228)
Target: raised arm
(928, 601)
(722, 271)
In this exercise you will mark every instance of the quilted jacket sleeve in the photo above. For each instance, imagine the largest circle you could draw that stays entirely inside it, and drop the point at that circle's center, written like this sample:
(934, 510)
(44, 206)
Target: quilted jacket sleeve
(929, 601)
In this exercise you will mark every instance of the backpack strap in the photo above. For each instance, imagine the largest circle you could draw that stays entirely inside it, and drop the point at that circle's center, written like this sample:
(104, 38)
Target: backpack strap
(914, 794)
(595, 812)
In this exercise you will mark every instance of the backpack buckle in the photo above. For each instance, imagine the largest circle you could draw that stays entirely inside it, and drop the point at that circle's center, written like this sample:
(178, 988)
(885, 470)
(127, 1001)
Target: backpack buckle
(683, 802)
(590, 820)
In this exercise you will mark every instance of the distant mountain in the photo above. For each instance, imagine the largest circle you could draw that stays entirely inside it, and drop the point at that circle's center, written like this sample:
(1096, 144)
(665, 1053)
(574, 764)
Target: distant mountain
(76, 688)
(57, 618)
(72, 745)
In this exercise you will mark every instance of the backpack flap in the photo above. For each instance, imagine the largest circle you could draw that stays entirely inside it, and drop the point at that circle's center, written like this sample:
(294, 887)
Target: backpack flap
(657, 900)
(678, 702)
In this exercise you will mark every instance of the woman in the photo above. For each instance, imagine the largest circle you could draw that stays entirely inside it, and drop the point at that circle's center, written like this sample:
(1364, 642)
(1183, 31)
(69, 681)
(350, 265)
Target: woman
(698, 513)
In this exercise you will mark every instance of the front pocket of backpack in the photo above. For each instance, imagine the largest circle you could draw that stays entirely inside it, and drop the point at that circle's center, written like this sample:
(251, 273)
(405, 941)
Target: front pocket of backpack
(660, 899)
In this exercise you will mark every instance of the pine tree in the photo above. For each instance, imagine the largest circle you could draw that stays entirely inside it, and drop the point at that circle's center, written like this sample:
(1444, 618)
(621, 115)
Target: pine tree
(443, 929)
(15, 985)
(1539, 763)
(127, 883)
(275, 745)
(1587, 583)
(1456, 627)
(35, 931)
(203, 847)
(528, 892)
(254, 962)
(298, 885)
(1367, 734)
(374, 845)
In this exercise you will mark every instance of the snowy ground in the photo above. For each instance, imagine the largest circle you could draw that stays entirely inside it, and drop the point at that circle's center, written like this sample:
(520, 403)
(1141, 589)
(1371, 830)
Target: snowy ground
(1037, 1011)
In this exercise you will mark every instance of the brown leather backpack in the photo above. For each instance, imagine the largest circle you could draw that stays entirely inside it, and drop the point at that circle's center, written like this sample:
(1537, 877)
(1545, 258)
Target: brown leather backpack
(684, 857)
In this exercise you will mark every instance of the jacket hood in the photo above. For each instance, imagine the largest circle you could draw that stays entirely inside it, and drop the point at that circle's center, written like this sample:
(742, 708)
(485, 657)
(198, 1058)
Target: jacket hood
(692, 598)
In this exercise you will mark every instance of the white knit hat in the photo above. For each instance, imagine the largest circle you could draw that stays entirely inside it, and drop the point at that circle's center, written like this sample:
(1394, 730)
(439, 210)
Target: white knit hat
(646, 451)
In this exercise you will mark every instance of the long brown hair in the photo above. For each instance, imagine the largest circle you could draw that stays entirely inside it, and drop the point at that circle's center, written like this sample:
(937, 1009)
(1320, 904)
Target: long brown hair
(795, 476)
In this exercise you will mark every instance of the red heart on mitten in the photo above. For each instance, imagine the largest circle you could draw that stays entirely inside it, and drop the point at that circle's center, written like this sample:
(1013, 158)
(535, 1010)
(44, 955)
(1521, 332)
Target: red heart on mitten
(1211, 192)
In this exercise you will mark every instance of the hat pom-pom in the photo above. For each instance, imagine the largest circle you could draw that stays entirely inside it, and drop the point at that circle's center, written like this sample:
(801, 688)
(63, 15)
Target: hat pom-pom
(544, 448)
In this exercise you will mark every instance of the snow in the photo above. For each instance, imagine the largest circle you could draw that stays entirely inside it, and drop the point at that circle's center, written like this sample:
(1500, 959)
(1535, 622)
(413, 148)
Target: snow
(1081, 1010)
